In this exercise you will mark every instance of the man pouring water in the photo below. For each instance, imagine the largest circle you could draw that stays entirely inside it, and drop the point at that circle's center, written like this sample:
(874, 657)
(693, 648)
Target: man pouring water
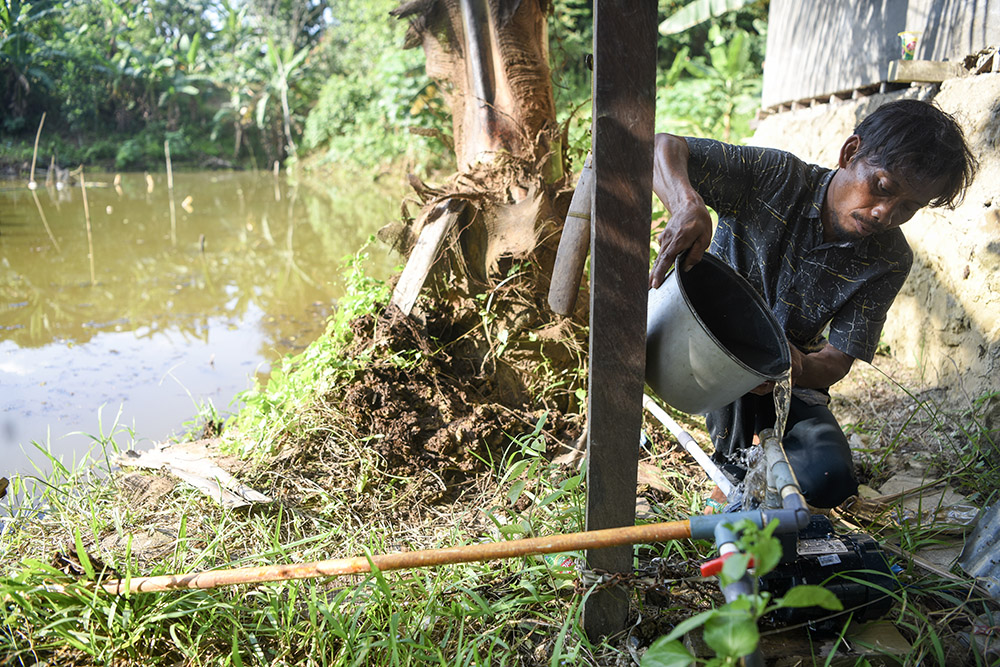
(822, 247)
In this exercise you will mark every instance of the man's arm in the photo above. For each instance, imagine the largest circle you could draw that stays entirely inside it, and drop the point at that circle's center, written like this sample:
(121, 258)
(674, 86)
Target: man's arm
(817, 370)
(690, 224)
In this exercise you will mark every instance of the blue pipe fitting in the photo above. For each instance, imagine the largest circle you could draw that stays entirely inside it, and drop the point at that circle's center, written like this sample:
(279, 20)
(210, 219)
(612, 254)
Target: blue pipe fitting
(790, 520)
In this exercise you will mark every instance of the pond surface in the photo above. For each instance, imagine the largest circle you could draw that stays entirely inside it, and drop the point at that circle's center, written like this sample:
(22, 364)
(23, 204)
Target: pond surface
(170, 300)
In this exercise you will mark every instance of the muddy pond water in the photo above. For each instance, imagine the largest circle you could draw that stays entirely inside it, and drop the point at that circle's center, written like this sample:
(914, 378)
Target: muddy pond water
(167, 300)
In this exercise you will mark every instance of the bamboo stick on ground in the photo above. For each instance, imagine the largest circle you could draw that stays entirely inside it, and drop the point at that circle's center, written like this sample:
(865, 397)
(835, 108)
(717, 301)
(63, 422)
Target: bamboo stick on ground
(595, 539)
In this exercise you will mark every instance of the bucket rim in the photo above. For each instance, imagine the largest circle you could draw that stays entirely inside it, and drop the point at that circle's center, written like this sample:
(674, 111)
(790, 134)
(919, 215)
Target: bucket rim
(747, 288)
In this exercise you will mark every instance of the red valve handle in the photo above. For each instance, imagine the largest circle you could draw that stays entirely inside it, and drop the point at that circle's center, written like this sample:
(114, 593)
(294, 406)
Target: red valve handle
(712, 567)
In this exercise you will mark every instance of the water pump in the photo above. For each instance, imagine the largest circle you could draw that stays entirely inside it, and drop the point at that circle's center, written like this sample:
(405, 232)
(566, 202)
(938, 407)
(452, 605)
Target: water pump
(851, 566)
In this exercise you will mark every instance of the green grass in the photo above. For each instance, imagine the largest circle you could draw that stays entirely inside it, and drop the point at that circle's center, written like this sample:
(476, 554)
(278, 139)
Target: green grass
(464, 614)
(335, 498)
(505, 612)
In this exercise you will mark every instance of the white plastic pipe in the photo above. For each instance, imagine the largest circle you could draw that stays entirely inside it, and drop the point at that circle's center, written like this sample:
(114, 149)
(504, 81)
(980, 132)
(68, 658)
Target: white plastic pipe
(687, 442)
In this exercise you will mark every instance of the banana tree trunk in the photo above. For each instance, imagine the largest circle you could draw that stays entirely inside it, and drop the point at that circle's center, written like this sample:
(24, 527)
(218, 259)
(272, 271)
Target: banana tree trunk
(490, 58)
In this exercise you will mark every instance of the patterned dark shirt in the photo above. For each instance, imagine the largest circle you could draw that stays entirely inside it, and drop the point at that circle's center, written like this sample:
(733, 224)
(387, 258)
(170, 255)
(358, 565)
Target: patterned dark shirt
(770, 231)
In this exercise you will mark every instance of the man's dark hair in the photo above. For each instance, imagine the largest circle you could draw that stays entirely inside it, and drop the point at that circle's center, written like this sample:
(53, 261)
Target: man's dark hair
(920, 142)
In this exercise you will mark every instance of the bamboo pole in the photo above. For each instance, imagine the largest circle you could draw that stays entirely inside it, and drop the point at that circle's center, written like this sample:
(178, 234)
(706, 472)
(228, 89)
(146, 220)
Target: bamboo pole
(277, 183)
(34, 155)
(594, 539)
(170, 193)
(90, 238)
(45, 221)
(170, 171)
(574, 244)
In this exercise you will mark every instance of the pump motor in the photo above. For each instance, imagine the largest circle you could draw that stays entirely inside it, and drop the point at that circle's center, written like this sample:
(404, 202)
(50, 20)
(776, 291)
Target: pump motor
(851, 566)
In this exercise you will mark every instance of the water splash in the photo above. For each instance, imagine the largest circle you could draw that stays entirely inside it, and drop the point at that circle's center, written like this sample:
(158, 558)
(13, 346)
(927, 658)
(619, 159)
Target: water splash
(755, 491)
(782, 403)
(755, 483)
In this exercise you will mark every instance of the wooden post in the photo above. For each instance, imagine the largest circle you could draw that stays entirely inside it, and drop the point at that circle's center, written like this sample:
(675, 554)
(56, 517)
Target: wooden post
(624, 100)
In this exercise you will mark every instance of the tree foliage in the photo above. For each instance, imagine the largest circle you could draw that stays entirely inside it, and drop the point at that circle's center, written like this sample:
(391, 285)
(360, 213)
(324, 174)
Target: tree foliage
(246, 71)
(376, 104)
(263, 80)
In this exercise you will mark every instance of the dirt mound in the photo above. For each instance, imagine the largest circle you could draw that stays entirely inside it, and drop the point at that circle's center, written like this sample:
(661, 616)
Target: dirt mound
(419, 419)
(428, 415)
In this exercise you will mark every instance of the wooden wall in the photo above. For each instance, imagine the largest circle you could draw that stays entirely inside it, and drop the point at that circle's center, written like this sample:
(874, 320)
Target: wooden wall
(819, 47)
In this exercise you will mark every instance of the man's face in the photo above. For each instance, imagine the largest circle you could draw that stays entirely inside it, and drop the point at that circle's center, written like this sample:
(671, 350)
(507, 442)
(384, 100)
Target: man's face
(864, 199)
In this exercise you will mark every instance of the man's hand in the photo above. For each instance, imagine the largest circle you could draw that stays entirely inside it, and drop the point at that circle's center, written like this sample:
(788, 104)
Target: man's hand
(818, 370)
(690, 225)
(690, 229)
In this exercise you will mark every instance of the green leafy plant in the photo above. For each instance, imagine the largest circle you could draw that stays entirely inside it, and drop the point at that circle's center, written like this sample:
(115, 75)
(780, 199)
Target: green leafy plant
(376, 105)
(713, 97)
(554, 501)
(731, 630)
(23, 56)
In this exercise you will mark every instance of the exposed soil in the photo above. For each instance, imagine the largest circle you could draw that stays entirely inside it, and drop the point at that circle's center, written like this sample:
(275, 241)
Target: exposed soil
(436, 411)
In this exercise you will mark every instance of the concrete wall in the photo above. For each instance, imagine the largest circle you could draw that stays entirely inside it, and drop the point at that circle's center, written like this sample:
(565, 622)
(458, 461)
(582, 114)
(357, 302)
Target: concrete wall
(946, 321)
(821, 47)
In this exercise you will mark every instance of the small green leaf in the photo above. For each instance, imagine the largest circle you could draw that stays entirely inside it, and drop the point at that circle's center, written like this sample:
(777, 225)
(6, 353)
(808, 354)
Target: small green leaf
(572, 483)
(551, 498)
(235, 652)
(81, 554)
(690, 624)
(732, 632)
(734, 568)
(811, 596)
(767, 555)
(512, 529)
(665, 653)
(743, 602)
(517, 468)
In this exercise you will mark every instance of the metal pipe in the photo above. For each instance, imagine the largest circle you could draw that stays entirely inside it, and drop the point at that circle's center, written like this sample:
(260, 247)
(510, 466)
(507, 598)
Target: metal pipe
(687, 442)
(781, 477)
(725, 538)
(744, 586)
(703, 526)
